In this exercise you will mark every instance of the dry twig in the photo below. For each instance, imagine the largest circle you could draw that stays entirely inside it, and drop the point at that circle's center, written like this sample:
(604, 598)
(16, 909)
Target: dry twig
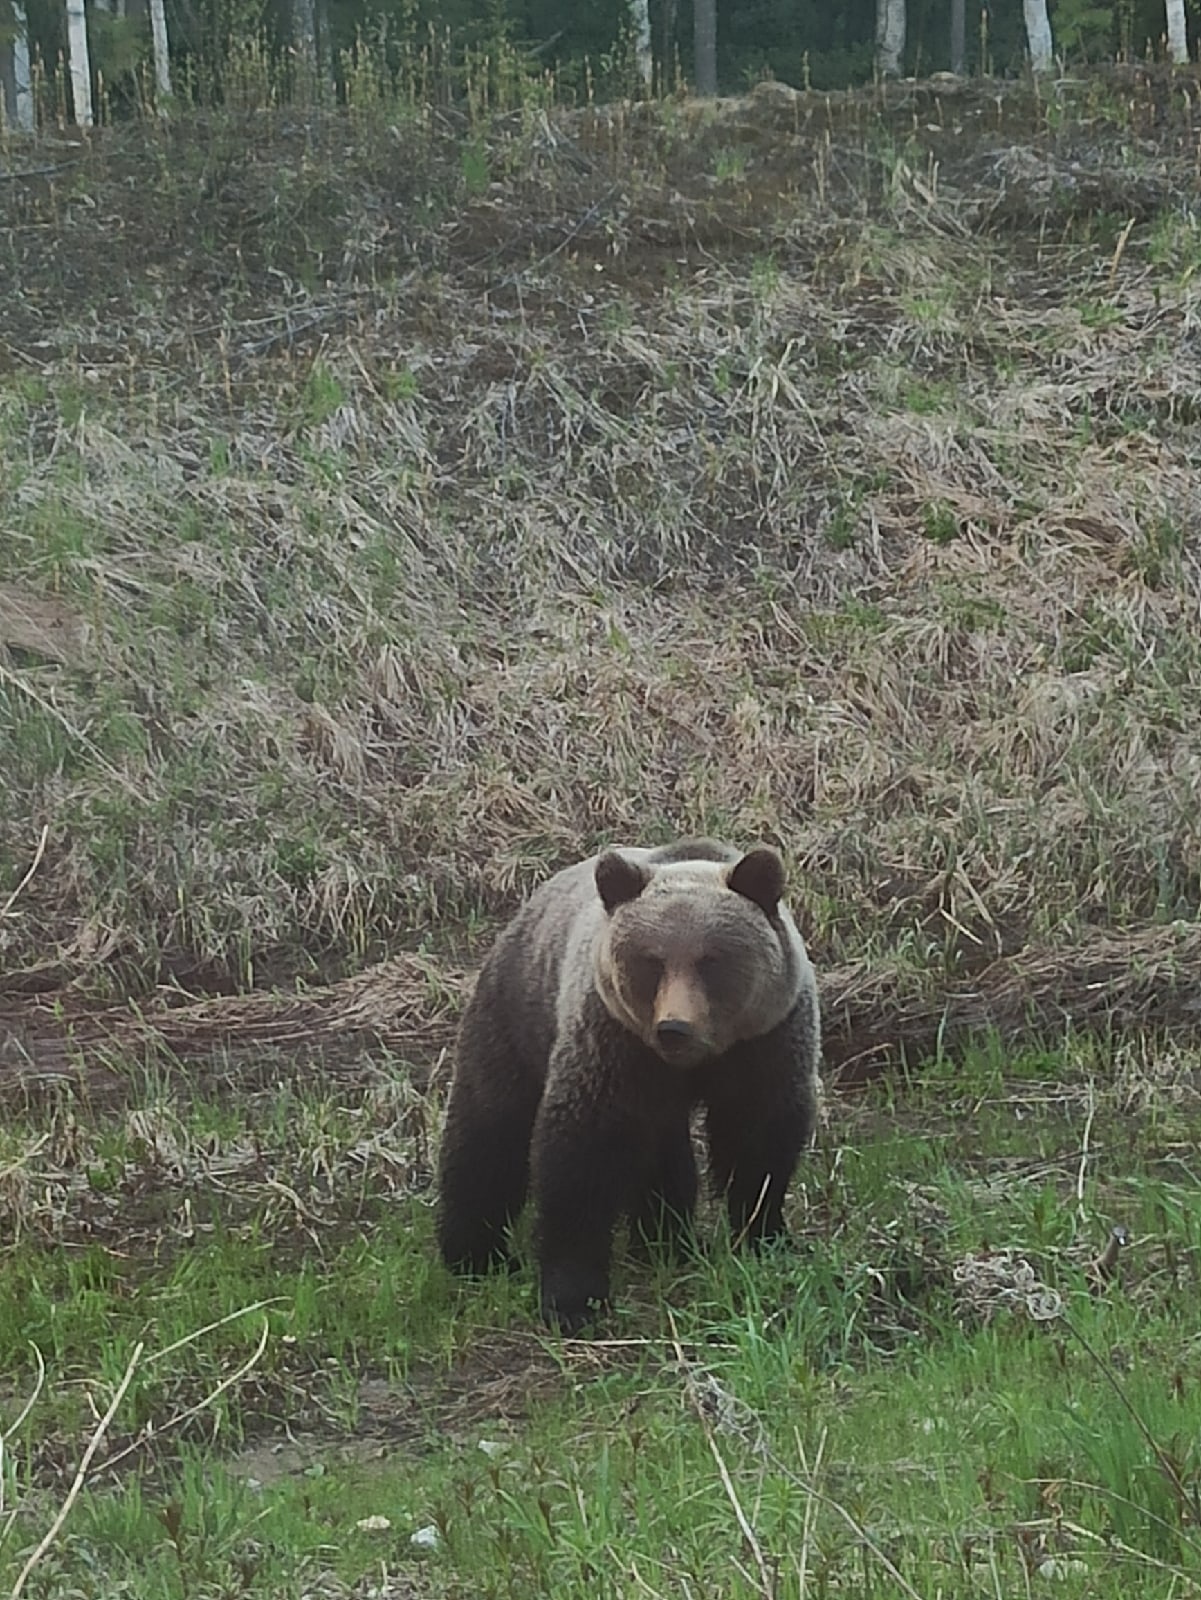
(94, 1443)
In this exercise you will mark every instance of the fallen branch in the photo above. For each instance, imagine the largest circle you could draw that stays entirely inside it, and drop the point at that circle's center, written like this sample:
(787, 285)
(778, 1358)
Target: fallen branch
(875, 1014)
(150, 1432)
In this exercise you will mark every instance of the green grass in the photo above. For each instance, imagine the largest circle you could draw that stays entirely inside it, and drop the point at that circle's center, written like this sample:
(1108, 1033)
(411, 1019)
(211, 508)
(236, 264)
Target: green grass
(873, 1405)
(378, 536)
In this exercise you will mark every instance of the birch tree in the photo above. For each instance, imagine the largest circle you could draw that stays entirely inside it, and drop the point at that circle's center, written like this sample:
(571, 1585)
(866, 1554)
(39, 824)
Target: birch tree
(162, 54)
(310, 40)
(1038, 32)
(81, 66)
(890, 37)
(304, 37)
(640, 22)
(958, 38)
(1177, 32)
(668, 19)
(18, 85)
(704, 36)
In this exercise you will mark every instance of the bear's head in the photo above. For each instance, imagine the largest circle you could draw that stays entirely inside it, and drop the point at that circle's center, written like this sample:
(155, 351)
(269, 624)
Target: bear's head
(695, 956)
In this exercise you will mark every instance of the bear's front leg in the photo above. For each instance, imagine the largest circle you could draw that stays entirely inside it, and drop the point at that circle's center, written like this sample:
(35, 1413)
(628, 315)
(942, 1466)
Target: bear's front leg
(483, 1166)
(760, 1114)
(586, 1160)
(664, 1214)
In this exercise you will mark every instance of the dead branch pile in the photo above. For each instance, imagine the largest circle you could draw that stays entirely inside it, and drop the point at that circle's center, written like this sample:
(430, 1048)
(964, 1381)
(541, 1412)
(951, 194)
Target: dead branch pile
(875, 1014)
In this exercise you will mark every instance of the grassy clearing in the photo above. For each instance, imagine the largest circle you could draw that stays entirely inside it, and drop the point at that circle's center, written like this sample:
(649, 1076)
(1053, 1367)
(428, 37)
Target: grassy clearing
(931, 1394)
(393, 510)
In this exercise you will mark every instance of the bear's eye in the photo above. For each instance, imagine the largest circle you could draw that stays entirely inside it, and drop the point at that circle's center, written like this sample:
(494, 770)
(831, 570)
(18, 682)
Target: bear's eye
(645, 973)
(710, 970)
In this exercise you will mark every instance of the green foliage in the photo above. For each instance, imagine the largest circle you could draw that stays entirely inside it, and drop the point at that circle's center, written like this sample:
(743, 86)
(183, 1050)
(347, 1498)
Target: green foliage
(927, 1392)
(1084, 28)
(473, 158)
(729, 166)
(1175, 243)
(939, 523)
(323, 394)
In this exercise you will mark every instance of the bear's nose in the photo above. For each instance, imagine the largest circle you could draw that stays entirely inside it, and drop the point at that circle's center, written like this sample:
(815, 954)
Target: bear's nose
(673, 1033)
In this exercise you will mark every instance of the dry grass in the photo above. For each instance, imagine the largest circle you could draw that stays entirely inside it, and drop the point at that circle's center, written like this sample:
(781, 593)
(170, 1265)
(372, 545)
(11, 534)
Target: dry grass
(877, 1013)
(405, 537)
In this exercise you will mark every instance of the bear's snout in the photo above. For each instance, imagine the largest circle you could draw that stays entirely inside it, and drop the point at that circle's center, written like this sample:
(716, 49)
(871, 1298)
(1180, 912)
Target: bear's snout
(679, 1041)
(679, 1020)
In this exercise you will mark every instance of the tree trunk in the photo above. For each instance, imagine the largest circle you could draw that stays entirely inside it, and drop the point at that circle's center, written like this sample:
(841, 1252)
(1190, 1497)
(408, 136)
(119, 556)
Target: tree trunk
(81, 66)
(18, 85)
(959, 38)
(667, 45)
(8, 86)
(890, 37)
(23, 79)
(644, 60)
(162, 54)
(1177, 32)
(1038, 32)
(304, 39)
(325, 54)
(704, 36)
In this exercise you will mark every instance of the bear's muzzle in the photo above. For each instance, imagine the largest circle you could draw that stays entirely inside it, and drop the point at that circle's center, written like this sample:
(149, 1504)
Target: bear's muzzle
(679, 1042)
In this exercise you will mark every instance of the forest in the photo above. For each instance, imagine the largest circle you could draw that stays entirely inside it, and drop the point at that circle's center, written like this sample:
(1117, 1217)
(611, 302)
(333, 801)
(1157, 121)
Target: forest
(90, 59)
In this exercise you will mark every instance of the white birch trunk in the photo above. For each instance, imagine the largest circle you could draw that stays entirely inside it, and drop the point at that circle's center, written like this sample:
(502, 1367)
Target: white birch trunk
(1177, 32)
(890, 37)
(325, 55)
(704, 35)
(18, 84)
(162, 51)
(304, 31)
(81, 66)
(640, 19)
(1038, 32)
(958, 37)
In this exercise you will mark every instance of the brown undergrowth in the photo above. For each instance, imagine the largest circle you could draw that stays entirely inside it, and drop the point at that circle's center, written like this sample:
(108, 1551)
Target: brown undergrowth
(382, 533)
(877, 1014)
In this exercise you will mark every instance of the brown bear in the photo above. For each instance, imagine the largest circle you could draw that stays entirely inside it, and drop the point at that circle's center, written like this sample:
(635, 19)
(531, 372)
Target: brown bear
(629, 989)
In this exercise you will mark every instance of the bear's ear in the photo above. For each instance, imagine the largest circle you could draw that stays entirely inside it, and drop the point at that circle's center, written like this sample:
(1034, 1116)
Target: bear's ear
(759, 876)
(618, 880)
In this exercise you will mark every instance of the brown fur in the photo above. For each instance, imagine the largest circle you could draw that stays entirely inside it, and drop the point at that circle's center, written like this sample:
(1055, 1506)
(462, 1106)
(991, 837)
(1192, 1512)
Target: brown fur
(627, 990)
